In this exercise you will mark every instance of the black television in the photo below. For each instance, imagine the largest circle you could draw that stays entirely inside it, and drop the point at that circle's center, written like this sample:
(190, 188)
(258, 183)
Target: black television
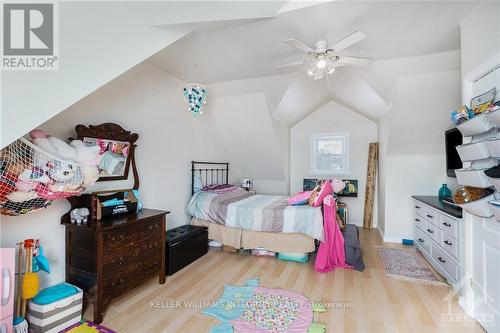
(452, 139)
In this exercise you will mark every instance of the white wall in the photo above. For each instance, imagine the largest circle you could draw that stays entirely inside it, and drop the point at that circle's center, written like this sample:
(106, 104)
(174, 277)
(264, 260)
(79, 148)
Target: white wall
(330, 118)
(255, 141)
(480, 35)
(412, 146)
(148, 101)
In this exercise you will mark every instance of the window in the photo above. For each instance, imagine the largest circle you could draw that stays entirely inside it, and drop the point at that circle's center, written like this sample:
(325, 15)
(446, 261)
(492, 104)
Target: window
(330, 154)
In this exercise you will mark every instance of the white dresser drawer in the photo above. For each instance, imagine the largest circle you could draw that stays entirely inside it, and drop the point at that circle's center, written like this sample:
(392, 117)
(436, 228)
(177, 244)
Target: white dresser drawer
(419, 222)
(450, 245)
(449, 226)
(445, 262)
(422, 240)
(432, 215)
(418, 207)
(432, 231)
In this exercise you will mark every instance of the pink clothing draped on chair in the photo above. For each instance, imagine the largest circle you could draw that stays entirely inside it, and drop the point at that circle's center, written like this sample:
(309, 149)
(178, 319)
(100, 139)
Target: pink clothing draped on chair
(331, 253)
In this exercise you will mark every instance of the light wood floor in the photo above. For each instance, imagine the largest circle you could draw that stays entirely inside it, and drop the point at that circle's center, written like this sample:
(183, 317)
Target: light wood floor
(376, 303)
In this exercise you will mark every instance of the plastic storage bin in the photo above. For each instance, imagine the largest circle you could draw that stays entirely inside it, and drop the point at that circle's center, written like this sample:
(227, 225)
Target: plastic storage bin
(494, 118)
(481, 207)
(476, 125)
(474, 178)
(473, 151)
(55, 316)
(484, 164)
(495, 182)
(494, 147)
(495, 207)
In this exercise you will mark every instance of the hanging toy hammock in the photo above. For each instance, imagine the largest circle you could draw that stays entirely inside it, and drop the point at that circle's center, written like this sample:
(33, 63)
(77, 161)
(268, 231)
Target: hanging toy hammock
(31, 178)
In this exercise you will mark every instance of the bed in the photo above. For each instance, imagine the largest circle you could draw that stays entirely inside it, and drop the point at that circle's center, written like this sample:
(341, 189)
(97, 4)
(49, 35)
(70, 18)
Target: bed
(239, 219)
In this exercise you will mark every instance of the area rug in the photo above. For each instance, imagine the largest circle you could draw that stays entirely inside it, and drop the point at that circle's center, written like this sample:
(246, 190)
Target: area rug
(251, 309)
(407, 264)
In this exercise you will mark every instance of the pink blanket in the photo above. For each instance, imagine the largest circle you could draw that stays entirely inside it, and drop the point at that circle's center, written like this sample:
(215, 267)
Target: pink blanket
(331, 253)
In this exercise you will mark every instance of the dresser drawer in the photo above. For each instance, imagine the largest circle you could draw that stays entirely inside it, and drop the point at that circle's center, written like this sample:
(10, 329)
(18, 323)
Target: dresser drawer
(422, 240)
(418, 208)
(131, 235)
(449, 226)
(126, 275)
(450, 245)
(445, 262)
(431, 215)
(133, 253)
(419, 222)
(432, 231)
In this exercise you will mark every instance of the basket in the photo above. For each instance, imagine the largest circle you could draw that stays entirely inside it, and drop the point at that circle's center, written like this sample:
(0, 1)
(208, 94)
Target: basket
(477, 125)
(31, 178)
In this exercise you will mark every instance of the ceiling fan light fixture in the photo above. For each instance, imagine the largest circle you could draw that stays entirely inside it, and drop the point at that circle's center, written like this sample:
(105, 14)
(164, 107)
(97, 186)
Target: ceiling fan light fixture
(321, 63)
(311, 71)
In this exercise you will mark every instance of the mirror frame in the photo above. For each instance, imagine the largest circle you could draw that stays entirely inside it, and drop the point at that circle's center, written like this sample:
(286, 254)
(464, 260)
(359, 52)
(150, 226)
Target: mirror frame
(112, 131)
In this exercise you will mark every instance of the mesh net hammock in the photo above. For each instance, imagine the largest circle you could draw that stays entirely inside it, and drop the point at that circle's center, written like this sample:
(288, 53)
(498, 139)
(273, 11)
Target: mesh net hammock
(31, 178)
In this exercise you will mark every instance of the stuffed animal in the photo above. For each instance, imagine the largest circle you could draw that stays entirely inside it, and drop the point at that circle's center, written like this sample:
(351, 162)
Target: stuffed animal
(338, 185)
(77, 151)
(66, 177)
(36, 174)
(86, 154)
(79, 215)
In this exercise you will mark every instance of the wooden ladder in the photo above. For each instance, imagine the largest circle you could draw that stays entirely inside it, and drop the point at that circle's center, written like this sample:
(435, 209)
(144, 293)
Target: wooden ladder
(371, 175)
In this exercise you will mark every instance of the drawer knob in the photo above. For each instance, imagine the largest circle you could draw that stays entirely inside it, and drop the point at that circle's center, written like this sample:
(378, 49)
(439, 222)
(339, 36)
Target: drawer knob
(418, 220)
(420, 240)
(446, 224)
(430, 216)
(417, 207)
(114, 284)
(442, 260)
(448, 243)
(430, 231)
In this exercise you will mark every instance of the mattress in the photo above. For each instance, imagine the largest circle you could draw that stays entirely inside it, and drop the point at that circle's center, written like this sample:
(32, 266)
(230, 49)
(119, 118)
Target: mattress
(237, 208)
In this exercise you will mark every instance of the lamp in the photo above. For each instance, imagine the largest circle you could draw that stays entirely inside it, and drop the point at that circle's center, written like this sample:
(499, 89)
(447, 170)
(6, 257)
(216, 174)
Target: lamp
(195, 95)
(321, 63)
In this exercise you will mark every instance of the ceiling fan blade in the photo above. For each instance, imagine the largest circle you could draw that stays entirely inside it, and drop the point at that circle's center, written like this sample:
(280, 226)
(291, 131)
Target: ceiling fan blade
(353, 38)
(292, 64)
(354, 61)
(298, 45)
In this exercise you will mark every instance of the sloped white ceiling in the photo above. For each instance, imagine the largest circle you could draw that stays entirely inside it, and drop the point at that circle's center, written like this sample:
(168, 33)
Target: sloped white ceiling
(98, 42)
(394, 29)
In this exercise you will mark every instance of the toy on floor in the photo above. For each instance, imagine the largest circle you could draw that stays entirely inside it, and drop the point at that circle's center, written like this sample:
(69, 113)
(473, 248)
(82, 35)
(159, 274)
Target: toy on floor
(251, 308)
(20, 324)
(87, 327)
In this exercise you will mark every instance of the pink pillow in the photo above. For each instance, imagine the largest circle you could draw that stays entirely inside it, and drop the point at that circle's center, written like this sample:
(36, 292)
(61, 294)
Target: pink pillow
(319, 194)
(300, 198)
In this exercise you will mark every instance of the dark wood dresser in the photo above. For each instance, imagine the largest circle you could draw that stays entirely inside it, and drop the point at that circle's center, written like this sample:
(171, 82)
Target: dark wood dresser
(110, 257)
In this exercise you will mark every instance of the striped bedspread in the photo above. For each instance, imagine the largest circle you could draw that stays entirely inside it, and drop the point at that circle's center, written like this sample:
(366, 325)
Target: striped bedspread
(239, 209)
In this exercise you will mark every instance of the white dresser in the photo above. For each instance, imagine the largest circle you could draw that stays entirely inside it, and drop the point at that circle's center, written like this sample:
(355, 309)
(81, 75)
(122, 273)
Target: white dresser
(438, 235)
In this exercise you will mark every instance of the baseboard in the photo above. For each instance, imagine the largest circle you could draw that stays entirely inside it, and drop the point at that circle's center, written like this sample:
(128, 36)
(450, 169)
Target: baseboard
(381, 233)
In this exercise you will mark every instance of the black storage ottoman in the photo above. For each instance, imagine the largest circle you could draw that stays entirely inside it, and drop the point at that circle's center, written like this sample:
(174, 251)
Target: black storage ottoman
(184, 245)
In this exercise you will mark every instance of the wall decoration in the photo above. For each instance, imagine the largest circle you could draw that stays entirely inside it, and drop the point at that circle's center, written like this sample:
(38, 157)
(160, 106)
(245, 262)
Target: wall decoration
(351, 188)
(195, 95)
(309, 184)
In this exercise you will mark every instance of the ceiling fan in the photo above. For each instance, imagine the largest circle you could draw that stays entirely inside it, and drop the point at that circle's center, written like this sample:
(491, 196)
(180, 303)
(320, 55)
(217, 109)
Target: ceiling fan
(323, 59)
